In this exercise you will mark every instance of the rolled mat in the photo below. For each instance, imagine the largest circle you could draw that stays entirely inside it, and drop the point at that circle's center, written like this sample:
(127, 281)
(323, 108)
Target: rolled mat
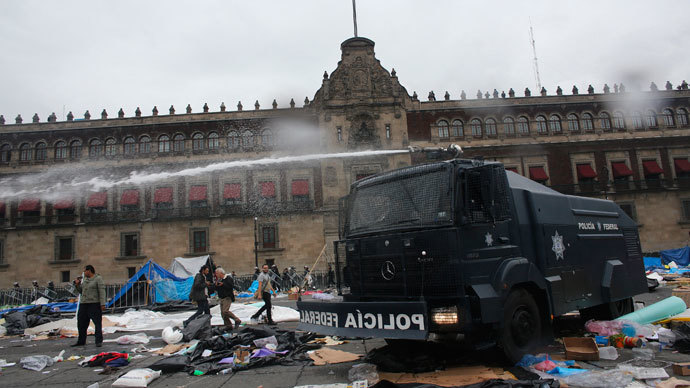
(658, 311)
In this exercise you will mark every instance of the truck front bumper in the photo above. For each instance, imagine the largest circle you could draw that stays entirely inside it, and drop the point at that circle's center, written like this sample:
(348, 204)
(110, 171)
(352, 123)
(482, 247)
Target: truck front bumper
(405, 320)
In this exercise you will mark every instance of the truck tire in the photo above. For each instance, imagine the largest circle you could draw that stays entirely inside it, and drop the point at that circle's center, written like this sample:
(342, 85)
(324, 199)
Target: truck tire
(520, 332)
(608, 311)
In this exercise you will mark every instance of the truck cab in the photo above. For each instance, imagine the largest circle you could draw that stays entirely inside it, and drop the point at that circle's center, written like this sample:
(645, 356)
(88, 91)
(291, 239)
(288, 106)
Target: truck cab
(464, 246)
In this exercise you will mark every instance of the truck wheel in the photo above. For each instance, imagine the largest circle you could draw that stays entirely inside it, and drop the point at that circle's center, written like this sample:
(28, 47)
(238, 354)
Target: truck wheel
(520, 331)
(608, 311)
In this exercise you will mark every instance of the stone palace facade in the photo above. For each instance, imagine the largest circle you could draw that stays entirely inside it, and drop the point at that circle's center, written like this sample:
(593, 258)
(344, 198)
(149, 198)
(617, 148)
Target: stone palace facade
(630, 147)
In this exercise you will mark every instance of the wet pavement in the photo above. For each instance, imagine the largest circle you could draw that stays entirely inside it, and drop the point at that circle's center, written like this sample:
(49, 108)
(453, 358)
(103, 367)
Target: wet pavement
(70, 374)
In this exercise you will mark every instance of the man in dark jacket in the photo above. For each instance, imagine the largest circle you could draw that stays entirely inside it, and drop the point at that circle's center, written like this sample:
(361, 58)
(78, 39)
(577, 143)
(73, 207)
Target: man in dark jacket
(225, 288)
(91, 305)
(199, 294)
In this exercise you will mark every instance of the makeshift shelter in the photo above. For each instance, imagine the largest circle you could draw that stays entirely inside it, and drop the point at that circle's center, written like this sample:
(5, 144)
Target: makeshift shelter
(185, 267)
(159, 285)
(681, 256)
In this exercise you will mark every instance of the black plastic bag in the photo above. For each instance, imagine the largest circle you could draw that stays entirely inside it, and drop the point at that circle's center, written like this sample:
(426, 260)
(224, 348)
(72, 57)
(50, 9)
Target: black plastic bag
(171, 364)
(15, 322)
(199, 328)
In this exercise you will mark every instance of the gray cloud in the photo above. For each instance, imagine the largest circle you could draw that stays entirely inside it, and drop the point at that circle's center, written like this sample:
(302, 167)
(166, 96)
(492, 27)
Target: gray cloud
(95, 55)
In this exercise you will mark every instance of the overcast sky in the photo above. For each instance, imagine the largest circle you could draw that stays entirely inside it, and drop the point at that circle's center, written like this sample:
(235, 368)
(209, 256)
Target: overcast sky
(109, 54)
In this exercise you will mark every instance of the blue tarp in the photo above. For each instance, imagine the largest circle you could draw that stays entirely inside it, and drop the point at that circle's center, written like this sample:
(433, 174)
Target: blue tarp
(64, 307)
(681, 256)
(166, 286)
(652, 263)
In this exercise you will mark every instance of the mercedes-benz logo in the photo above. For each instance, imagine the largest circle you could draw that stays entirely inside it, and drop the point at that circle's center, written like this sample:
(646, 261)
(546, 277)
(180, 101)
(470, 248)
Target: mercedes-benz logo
(388, 270)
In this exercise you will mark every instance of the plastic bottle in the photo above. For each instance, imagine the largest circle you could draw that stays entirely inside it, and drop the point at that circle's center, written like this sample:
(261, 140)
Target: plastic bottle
(225, 371)
(608, 353)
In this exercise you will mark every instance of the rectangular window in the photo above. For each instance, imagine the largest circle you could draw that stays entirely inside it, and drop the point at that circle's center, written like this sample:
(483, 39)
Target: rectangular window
(686, 209)
(388, 131)
(131, 271)
(270, 262)
(199, 240)
(198, 196)
(300, 190)
(64, 248)
(232, 193)
(129, 244)
(269, 236)
(629, 209)
(268, 190)
(163, 198)
(64, 276)
(340, 134)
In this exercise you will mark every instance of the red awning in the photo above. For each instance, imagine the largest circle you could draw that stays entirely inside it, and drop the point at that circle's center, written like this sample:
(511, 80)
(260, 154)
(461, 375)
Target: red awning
(98, 199)
(197, 193)
(620, 169)
(651, 167)
(513, 169)
(682, 165)
(585, 170)
(538, 174)
(2, 209)
(66, 203)
(268, 189)
(232, 191)
(29, 205)
(300, 187)
(130, 197)
(163, 195)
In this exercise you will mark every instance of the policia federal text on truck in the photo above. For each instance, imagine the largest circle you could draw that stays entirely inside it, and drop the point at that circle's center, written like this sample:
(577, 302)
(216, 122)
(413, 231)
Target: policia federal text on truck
(463, 246)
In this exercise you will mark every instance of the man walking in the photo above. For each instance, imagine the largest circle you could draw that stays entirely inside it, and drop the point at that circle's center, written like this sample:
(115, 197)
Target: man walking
(225, 287)
(199, 294)
(264, 290)
(91, 305)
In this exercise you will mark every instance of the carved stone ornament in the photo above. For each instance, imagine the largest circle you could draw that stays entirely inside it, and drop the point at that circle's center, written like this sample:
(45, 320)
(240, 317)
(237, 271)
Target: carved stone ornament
(362, 132)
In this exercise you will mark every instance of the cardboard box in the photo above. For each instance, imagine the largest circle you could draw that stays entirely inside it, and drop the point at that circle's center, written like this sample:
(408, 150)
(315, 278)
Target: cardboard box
(681, 369)
(293, 296)
(581, 349)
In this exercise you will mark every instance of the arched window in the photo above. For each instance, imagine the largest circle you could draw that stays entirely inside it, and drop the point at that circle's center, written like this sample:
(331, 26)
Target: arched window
(144, 144)
(75, 149)
(213, 141)
(587, 122)
(555, 123)
(523, 125)
(60, 150)
(267, 138)
(509, 126)
(24, 152)
(197, 142)
(95, 148)
(41, 151)
(668, 118)
(110, 147)
(682, 117)
(541, 125)
(573, 123)
(490, 126)
(651, 119)
(178, 143)
(130, 145)
(618, 120)
(442, 126)
(163, 143)
(233, 139)
(247, 139)
(476, 127)
(5, 153)
(456, 129)
(605, 120)
(636, 118)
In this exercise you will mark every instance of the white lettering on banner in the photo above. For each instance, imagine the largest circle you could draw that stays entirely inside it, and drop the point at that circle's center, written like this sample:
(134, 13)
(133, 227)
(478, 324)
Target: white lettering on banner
(365, 321)
(610, 226)
(369, 320)
(323, 318)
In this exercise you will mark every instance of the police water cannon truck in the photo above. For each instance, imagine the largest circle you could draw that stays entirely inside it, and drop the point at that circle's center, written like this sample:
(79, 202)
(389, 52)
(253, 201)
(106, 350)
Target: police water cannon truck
(466, 247)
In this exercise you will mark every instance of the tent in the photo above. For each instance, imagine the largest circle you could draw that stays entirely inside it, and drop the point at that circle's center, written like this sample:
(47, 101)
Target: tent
(681, 256)
(185, 267)
(165, 286)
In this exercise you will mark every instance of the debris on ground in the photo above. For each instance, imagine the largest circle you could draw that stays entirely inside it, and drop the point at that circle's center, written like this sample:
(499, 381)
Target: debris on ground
(326, 356)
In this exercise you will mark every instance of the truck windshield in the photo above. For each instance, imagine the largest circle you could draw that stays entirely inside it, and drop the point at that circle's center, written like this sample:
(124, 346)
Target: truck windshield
(421, 197)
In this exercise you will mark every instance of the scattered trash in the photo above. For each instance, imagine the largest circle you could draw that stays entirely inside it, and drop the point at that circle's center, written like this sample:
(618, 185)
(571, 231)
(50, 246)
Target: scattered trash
(608, 353)
(325, 356)
(108, 358)
(261, 342)
(140, 338)
(584, 349)
(206, 353)
(681, 369)
(3, 331)
(642, 373)
(36, 363)
(4, 363)
(363, 371)
(328, 341)
(199, 328)
(59, 358)
(171, 364)
(137, 378)
(643, 353)
(614, 378)
(663, 309)
(171, 336)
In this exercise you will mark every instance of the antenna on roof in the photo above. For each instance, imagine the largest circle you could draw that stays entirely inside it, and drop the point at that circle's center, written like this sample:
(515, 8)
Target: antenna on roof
(537, 78)
(354, 16)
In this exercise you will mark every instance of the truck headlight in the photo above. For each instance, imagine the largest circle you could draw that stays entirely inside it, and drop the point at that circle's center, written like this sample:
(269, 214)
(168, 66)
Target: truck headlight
(445, 315)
